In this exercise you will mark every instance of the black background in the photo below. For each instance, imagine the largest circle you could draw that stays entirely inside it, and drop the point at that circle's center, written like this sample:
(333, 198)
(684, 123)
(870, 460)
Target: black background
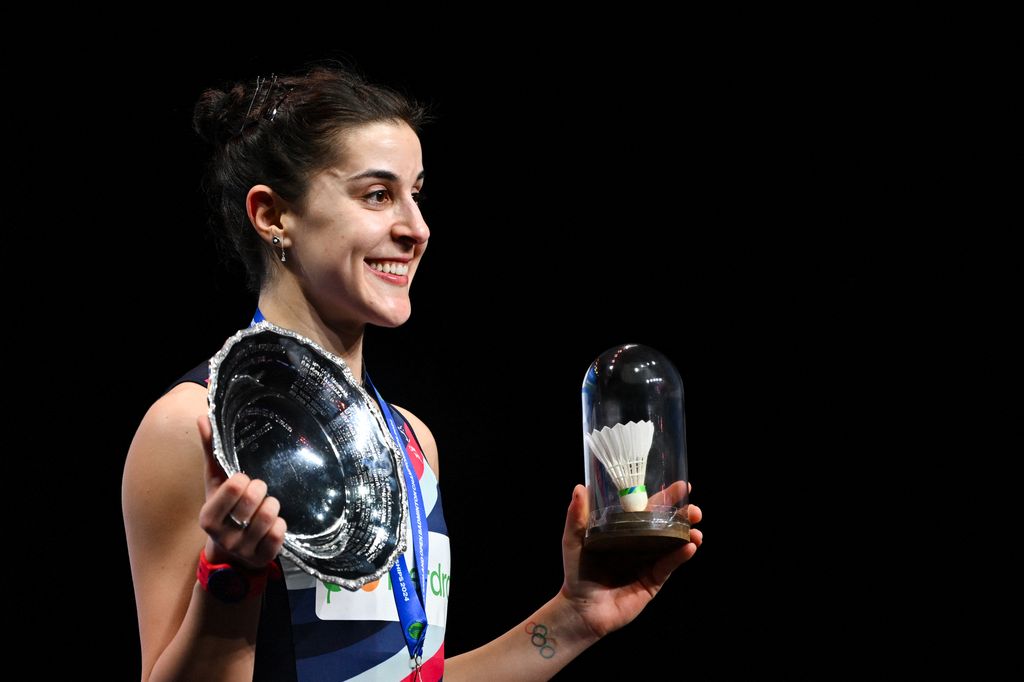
(736, 207)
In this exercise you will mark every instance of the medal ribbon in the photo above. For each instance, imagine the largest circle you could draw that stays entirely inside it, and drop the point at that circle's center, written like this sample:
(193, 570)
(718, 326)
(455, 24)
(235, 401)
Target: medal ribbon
(411, 606)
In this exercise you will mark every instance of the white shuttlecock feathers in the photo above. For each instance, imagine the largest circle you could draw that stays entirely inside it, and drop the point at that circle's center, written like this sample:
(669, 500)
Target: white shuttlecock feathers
(623, 450)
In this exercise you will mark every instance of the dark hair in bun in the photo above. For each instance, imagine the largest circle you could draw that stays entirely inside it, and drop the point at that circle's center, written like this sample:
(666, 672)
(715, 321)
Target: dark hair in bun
(281, 131)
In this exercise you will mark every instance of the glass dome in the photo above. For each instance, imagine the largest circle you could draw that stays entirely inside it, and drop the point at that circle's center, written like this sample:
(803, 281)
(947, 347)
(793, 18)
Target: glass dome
(634, 444)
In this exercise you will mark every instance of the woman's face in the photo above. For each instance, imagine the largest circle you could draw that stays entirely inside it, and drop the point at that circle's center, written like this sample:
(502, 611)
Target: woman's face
(359, 235)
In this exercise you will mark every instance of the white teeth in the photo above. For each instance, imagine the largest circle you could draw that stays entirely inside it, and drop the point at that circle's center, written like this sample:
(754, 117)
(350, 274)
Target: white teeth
(390, 267)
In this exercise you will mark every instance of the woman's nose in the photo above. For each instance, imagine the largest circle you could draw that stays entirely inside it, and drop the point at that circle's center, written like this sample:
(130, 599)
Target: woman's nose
(412, 226)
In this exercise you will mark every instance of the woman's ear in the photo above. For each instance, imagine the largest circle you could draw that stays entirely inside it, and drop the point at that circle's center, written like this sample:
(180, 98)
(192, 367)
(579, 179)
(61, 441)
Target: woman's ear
(264, 207)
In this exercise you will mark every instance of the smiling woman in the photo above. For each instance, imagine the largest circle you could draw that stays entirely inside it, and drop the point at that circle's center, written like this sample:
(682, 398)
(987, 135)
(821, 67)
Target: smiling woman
(355, 237)
(315, 179)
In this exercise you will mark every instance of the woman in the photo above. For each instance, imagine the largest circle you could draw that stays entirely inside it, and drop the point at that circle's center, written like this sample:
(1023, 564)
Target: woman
(316, 179)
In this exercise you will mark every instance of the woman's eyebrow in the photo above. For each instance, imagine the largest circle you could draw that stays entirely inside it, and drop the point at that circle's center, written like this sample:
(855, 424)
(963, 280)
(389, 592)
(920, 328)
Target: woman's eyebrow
(380, 174)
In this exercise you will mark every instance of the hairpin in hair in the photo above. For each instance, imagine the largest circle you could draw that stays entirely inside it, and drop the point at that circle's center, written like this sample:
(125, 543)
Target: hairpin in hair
(278, 103)
(260, 83)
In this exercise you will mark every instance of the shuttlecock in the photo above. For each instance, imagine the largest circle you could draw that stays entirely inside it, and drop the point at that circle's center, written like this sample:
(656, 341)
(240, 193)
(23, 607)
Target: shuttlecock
(623, 450)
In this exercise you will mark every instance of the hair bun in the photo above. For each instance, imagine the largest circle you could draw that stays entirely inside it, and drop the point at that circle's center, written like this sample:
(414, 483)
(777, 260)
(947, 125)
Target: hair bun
(216, 114)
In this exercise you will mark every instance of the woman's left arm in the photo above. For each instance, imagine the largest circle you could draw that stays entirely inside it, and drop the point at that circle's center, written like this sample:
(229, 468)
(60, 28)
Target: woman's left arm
(595, 598)
(593, 601)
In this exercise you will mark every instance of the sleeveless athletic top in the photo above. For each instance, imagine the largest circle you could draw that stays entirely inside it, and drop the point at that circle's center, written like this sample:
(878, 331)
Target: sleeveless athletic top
(309, 632)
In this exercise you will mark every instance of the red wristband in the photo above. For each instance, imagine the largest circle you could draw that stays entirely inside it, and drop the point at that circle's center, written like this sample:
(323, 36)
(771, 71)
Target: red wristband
(232, 583)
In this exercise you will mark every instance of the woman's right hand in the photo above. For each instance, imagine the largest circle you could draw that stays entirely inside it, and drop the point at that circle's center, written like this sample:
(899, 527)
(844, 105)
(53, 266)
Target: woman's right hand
(242, 498)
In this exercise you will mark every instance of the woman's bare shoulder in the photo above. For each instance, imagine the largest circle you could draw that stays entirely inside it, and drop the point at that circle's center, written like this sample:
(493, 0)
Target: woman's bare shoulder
(170, 422)
(166, 454)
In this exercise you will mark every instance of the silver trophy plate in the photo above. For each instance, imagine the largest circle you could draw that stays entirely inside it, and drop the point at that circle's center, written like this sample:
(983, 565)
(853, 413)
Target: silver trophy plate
(288, 412)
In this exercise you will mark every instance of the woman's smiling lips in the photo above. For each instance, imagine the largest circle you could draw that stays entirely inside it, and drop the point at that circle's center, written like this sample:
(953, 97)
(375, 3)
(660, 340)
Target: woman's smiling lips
(393, 271)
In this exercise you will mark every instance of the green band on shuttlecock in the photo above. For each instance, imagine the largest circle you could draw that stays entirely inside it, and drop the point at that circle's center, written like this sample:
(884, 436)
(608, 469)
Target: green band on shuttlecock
(634, 489)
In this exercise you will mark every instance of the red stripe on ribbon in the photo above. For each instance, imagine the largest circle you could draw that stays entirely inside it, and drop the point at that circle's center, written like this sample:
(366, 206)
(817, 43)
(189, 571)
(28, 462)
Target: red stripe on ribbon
(432, 669)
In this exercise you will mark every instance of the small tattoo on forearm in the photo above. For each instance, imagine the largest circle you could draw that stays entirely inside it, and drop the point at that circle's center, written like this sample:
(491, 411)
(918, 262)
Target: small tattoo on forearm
(541, 638)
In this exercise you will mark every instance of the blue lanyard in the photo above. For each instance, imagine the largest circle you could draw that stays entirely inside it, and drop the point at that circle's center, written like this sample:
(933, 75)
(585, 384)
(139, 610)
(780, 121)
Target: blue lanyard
(411, 611)
(410, 605)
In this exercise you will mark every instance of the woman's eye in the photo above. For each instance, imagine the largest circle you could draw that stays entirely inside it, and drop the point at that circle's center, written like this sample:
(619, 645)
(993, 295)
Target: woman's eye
(378, 197)
(417, 197)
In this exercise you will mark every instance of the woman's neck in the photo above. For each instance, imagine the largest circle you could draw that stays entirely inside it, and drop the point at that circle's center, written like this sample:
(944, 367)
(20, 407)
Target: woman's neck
(292, 311)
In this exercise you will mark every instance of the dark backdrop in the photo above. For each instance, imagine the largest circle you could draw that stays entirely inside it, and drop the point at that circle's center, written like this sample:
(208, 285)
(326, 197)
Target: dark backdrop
(719, 206)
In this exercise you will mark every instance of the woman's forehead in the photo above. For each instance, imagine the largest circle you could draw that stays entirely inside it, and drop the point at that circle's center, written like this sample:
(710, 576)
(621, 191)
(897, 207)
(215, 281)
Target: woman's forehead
(385, 145)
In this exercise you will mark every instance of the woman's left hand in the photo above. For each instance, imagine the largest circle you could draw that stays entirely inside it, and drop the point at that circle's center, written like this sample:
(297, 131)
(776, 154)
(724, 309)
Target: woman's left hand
(605, 590)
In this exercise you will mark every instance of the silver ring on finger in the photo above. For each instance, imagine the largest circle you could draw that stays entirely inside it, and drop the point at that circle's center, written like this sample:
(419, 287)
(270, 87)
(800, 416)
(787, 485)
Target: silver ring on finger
(241, 525)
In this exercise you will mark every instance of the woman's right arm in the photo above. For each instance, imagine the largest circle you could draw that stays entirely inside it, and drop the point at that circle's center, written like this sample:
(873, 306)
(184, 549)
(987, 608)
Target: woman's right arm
(175, 499)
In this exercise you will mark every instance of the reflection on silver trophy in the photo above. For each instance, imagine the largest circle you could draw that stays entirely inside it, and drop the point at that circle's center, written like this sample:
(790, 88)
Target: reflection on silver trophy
(288, 412)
